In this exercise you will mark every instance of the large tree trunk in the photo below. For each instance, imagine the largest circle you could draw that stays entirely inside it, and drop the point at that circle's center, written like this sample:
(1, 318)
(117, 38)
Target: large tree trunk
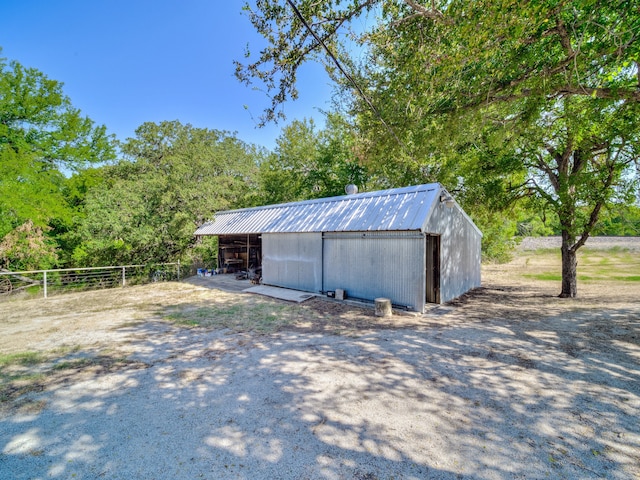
(569, 268)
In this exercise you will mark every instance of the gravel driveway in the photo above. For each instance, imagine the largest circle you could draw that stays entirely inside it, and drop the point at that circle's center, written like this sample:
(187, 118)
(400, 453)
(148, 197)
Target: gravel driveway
(507, 383)
(485, 401)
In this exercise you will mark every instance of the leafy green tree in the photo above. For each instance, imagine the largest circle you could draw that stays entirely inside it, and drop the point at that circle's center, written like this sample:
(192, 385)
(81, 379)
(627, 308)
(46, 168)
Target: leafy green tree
(542, 97)
(175, 177)
(338, 162)
(27, 247)
(42, 138)
(284, 174)
(311, 163)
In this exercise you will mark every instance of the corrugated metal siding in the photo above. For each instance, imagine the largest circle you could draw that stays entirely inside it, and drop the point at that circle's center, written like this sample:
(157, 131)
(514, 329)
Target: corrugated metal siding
(399, 209)
(369, 265)
(370, 247)
(460, 251)
(292, 260)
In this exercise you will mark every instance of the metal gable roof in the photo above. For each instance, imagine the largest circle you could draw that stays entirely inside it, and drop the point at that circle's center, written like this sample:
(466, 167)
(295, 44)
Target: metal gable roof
(395, 209)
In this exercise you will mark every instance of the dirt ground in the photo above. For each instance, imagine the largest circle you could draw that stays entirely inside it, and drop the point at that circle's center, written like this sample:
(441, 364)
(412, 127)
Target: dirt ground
(180, 379)
(99, 318)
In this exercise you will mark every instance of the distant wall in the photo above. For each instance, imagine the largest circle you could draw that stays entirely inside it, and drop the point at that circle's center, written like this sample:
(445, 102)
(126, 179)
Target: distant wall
(460, 251)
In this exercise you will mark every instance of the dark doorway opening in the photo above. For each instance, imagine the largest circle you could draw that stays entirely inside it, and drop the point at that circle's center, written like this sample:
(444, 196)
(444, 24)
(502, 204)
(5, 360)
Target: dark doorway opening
(239, 253)
(433, 268)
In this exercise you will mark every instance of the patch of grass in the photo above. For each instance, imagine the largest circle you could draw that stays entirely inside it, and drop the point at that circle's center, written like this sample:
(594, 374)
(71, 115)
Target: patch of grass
(242, 314)
(22, 373)
(587, 278)
(22, 358)
(230, 311)
(14, 388)
(191, 317)
(14, 367)
(544, 276)
(547, 251)
(16, 375)
(630, 278)
(617, 249)
(272, 316)
(66, 349)
(75, 363)
(613, 265)
(600, 276)
(23, 377)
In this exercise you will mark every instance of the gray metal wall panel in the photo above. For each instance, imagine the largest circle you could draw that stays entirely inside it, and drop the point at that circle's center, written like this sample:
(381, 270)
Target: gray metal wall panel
(460, 253)
(376, 264)
(292, 260)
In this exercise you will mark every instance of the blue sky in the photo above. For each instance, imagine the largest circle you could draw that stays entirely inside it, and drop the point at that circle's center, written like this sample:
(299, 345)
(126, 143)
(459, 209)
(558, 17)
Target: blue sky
(126, 62)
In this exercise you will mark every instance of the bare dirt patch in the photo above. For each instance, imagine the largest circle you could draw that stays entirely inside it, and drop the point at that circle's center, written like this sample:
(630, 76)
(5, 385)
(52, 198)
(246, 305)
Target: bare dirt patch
(180, 380)
(103, 318)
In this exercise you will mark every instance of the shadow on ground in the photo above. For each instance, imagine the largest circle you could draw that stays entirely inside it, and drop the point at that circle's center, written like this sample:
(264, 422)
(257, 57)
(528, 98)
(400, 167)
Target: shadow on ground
(464, 396)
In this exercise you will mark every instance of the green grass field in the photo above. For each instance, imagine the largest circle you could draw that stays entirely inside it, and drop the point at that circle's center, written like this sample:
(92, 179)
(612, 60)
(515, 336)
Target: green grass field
(611, 266)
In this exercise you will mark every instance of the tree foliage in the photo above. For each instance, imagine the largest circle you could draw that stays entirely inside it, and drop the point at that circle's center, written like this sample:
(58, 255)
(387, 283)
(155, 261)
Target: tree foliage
(619, 220)
(497, 100)
(42, 138)
(284, 175)
(311, 163)
(174, 178)
(27, 247)
(458, 54)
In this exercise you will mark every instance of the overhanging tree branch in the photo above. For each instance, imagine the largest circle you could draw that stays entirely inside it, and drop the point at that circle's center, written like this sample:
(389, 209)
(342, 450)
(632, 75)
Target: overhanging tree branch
(347, 75)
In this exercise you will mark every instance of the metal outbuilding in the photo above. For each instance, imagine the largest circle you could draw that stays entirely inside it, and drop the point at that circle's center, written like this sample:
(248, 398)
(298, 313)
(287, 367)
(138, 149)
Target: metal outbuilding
(413, 245)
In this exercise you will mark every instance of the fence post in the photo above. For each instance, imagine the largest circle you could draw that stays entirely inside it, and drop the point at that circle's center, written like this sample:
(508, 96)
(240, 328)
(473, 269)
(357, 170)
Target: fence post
(44, 281)
(178, 270)
(124, 276)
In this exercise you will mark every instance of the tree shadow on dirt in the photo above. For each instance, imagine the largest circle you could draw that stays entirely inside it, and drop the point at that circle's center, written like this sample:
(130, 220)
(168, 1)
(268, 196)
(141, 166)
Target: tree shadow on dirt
(458, 396)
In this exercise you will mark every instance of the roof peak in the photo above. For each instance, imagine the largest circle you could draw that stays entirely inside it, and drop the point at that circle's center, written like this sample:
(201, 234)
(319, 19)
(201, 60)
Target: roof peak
(340, 198)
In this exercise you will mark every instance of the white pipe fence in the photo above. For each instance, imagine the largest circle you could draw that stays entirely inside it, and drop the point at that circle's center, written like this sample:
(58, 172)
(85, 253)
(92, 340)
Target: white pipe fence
(32, 282)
